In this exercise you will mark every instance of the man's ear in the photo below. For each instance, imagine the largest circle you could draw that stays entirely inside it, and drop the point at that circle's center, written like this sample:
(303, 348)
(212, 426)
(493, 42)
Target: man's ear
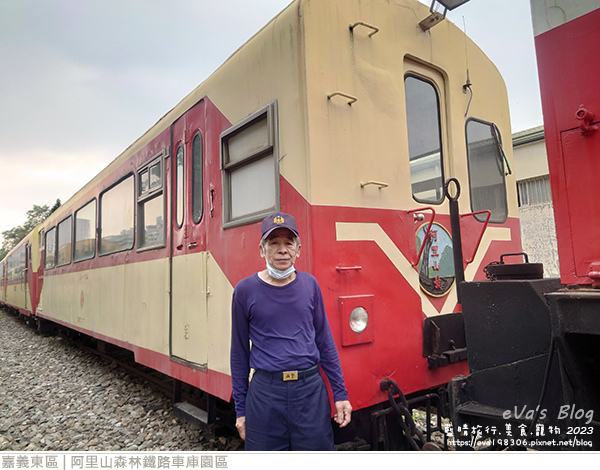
(298, 251)
(261, 250)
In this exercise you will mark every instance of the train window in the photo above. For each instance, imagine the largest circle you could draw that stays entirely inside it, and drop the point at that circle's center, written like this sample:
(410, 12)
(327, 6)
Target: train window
(424, 140)
(21, 254)
(64, 242)
(9, 269)
(155, 176)
(250, 168)
(17, 264)
(117, 217)
(179, 186)
(486, 170)
(85, 232)
(151, 226)
(50, 258)
(151, 204)
(197, 194)
(144, 181)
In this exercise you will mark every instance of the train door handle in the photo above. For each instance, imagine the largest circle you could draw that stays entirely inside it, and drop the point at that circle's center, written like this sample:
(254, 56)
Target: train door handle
(212, 199)
(192, 245)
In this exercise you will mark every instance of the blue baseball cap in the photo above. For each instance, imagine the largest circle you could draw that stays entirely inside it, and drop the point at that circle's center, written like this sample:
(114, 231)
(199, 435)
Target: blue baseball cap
(278, 220)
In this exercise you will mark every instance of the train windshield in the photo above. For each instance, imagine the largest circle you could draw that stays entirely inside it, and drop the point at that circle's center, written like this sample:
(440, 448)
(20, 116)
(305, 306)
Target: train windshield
(424, 140)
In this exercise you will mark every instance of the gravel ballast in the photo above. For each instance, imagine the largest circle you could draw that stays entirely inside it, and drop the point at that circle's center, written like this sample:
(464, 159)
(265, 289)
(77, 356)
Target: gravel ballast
(55, 396)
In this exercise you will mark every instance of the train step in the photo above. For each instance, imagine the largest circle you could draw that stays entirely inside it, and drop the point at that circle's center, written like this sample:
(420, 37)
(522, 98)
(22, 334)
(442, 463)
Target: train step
(481, 410)
(190, 413)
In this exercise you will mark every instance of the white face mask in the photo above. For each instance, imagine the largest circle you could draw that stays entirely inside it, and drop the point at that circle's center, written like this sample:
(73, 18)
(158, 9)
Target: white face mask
(277, 274)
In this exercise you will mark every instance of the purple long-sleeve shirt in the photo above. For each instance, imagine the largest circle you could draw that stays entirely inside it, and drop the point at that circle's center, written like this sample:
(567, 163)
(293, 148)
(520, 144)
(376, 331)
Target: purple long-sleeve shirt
(289, 330)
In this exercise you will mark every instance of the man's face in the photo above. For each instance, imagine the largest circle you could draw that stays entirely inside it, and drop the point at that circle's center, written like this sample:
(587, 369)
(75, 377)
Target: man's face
(280, 249)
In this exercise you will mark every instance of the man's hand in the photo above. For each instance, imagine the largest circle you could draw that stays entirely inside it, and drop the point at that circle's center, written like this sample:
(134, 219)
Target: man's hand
(344, 411)
(240, 425)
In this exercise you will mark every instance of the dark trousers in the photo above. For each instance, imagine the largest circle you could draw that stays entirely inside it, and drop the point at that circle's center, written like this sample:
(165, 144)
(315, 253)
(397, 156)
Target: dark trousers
(293, 415)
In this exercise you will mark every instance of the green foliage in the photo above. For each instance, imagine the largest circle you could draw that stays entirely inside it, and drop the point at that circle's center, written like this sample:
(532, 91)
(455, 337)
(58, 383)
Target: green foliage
(35, 216)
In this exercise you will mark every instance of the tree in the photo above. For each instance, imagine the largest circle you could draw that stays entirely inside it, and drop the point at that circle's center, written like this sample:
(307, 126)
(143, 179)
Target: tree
(35, 216)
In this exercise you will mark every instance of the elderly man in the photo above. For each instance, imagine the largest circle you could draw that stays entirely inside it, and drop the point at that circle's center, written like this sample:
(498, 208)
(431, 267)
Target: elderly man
(280, 310)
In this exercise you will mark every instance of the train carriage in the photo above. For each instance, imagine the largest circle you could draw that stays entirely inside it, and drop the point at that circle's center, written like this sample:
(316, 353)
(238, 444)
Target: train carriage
(346, 114)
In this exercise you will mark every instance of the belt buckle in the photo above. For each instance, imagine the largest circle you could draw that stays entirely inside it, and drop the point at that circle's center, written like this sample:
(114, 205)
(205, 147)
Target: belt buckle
(290, 375)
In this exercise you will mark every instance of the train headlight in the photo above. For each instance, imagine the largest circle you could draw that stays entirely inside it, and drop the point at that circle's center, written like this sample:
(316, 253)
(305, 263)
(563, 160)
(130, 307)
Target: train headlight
(359, 318)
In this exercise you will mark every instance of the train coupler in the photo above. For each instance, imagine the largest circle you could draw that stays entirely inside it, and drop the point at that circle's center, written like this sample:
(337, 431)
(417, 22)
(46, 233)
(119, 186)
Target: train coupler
(412, 436)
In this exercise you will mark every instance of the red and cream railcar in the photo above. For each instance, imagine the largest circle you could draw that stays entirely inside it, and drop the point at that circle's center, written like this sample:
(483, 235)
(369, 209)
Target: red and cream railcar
(344, 113)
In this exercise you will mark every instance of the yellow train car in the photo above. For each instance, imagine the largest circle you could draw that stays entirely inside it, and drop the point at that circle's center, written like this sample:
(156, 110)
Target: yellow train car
(345, 114)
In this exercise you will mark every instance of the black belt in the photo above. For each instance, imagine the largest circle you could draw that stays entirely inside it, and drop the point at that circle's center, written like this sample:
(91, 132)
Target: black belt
(288, 375)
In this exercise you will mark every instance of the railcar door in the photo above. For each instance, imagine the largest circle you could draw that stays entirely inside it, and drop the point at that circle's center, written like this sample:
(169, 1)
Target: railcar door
(21, 292)
(189, 293)
(2, 282)
(26, 271)
(581, 167)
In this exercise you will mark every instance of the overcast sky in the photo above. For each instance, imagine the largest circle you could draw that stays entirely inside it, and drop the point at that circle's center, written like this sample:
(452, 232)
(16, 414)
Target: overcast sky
(81, 80)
